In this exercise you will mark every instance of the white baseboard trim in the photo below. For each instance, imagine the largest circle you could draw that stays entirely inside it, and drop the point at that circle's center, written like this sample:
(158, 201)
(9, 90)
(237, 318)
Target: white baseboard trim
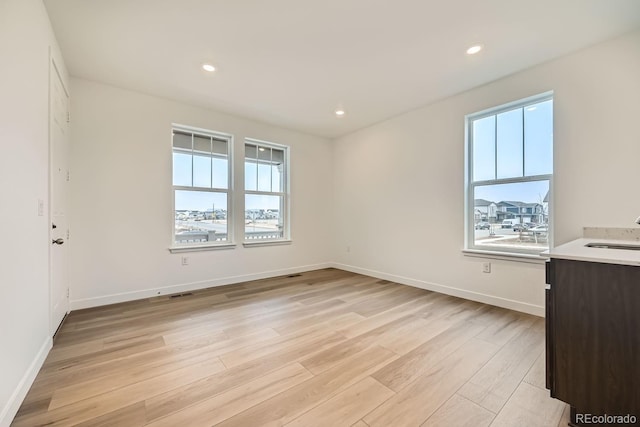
(524, 307)
(186, 287)
(194, 286)
(11, 408)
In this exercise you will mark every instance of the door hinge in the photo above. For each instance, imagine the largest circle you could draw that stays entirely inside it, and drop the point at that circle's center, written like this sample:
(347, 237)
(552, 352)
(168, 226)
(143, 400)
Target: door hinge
(68, 117)
(68, 176)
(67, 293)
(68, 234)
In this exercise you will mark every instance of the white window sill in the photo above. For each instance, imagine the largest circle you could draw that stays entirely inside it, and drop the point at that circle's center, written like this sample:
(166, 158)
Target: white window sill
(266, 243)
(196, 248)
(506, 256)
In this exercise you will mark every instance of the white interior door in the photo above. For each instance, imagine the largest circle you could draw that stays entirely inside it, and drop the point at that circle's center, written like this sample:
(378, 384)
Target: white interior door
(59, 182)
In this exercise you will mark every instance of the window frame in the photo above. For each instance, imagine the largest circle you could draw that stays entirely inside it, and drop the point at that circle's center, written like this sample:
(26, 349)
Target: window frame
(199, 246)
(285, 193)
(470, 248)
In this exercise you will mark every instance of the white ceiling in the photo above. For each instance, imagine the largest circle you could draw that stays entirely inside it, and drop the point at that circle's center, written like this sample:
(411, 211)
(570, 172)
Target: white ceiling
(293, 62)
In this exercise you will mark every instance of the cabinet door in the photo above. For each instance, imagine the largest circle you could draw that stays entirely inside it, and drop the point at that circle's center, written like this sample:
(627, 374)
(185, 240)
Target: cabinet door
(596, 336)
(548, 318)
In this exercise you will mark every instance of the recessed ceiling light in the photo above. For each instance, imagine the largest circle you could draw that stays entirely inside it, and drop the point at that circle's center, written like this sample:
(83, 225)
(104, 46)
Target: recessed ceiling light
(340, 113)
(474, 49)
(208, 67)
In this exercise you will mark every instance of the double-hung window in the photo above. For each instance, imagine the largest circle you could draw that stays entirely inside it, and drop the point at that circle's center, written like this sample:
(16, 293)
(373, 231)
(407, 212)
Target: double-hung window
(201, 177)
(266, 177)
(509, 177)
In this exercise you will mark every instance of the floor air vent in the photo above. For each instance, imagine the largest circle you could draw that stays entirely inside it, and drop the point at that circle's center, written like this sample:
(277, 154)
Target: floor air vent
(186, 294)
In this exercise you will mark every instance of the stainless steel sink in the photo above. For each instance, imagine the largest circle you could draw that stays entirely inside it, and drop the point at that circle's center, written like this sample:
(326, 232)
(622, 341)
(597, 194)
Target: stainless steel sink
(613, 246)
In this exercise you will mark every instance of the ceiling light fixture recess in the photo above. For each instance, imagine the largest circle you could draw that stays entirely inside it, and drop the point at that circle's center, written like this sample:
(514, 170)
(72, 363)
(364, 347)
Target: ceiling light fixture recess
(474, 49)
(208, 67)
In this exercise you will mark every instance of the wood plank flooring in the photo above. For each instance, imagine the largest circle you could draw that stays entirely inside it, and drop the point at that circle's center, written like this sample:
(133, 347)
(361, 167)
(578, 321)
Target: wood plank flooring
(324, 348)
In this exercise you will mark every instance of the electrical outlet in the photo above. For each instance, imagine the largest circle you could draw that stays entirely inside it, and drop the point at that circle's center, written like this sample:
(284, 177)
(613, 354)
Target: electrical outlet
(185, 260)
(348, 249)
(40, 207)
(486, 267)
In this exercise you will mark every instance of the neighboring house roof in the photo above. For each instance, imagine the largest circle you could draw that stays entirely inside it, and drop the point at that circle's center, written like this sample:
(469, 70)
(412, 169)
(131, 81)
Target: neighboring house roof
(518, 204)
(482, 202)
(509, 203)
(546, 198)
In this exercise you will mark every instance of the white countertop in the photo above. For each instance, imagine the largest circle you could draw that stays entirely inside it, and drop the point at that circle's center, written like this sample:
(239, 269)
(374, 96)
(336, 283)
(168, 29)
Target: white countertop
(576, 250)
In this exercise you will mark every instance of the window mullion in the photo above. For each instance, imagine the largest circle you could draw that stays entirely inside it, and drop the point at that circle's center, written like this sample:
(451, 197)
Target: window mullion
(495, 151)
(271, 168)
(523, 156)
(257, 165)
(265, 193)
(514, 180)
(192, 162)
(203, 189)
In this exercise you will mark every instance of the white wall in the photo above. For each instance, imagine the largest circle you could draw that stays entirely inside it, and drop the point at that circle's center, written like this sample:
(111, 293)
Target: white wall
(121, 199)
(25, 38)
(399, 185)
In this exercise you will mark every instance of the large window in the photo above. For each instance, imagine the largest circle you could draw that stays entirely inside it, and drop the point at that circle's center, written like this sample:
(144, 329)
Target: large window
(201, 177)
(509, 175)
(266, 179)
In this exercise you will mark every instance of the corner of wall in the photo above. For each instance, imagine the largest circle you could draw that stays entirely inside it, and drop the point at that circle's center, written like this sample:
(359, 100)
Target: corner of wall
(447, 290)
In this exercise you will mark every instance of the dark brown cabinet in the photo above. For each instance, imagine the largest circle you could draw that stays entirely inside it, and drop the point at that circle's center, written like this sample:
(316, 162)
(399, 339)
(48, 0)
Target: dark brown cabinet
(593, 340)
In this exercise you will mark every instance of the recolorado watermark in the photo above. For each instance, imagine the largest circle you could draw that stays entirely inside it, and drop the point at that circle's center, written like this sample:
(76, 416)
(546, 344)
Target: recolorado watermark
(605, 419)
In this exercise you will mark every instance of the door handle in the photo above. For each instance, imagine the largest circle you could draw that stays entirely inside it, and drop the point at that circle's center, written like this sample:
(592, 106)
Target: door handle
(57, 241)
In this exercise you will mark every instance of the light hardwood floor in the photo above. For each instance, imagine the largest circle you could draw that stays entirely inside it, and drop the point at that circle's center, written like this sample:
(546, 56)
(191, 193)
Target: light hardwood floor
(325, 348)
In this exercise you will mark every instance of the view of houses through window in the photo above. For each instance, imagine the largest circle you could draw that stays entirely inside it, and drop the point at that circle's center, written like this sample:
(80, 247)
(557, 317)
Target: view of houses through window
(509, 224)
(202, 195)
(265, 182)
(201, 187)
(510, 166)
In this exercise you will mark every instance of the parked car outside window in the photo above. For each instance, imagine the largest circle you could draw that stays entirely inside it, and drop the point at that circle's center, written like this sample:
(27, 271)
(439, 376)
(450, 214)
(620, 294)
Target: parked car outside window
(508, 223)
(523, 227)
(540, 229)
